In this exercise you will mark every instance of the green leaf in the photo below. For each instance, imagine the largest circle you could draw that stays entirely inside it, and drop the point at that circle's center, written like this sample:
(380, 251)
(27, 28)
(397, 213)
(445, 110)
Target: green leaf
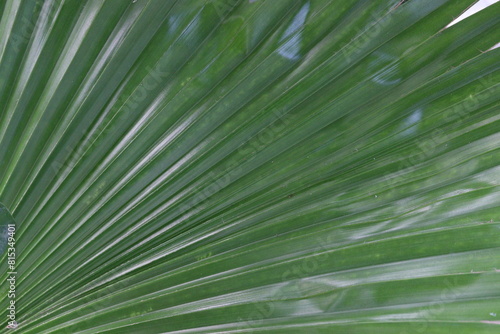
(261, 166)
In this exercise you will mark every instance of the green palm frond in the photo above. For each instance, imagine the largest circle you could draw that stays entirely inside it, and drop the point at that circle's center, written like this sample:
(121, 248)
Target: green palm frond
(257, 166)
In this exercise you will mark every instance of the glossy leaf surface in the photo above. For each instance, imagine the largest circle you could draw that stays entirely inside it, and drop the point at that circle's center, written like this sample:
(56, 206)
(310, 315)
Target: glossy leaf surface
(262, 166)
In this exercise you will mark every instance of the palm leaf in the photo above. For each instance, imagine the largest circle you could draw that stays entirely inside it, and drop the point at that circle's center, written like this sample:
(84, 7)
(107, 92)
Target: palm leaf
(259, 166)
